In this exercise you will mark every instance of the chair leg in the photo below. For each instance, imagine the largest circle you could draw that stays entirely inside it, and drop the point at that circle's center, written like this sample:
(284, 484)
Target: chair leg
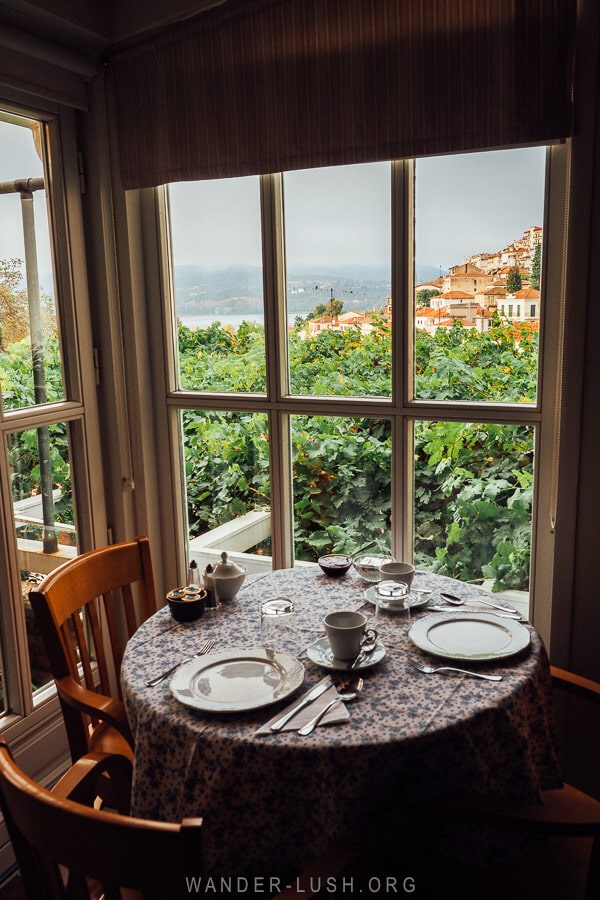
(592, 891)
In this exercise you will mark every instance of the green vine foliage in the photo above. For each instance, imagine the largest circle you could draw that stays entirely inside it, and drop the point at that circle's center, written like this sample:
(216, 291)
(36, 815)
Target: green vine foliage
(472, 482)
(341, 483)
(226, 459)
(16, 381)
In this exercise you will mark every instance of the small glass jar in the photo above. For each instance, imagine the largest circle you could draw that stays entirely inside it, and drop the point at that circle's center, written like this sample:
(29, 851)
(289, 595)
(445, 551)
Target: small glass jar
(277, 625)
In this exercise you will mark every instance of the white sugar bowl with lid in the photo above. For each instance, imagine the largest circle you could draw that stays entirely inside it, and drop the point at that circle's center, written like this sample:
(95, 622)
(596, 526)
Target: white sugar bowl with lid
(226, 578)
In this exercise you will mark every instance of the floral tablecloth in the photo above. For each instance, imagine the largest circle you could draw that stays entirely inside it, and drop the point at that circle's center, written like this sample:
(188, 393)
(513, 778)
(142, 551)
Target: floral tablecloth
(273, 802)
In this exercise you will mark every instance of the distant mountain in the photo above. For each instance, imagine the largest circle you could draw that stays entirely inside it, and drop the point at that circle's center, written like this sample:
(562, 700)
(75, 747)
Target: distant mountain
(426, 273)
(238, 290)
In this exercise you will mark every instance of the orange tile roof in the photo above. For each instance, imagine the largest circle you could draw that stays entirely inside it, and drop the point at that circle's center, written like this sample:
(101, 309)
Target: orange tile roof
(428, 312)
(527, 294)
(494, 290)
(455, 295)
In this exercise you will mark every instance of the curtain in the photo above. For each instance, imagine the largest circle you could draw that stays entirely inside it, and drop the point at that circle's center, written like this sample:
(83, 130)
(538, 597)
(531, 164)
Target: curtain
(258, 86)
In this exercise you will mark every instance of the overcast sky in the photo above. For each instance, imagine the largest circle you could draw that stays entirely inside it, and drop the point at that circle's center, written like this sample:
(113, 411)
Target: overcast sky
(466, 203)
(476, 201)
(18, 159)
(334, 217)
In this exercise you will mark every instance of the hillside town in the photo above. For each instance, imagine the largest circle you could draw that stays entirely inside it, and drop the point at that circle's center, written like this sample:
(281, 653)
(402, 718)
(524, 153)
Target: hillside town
(502, 283)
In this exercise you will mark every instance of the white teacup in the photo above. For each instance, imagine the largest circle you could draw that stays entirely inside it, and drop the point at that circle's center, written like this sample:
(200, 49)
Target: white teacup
(346, 632)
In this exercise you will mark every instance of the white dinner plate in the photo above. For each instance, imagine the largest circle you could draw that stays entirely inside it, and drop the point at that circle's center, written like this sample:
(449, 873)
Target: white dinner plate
(237, 680)
(320, 653)
(392, 605)
(469, 636)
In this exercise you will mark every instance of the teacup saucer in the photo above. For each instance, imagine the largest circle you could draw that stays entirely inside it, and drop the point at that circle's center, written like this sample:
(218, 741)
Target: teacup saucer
(392, 605)
(320, 653)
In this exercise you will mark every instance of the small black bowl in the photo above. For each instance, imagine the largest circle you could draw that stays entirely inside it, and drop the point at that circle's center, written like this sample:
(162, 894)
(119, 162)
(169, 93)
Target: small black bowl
(187, 609)
(335, 566)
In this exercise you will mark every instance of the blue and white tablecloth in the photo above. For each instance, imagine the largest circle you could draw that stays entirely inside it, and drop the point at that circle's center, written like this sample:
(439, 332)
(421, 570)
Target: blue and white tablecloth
(271, 803)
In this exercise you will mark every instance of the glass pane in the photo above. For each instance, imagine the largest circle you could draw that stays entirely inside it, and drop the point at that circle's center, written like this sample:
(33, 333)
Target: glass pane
(473, 488)
(217, 264)
(478, 221)
(45, 525)
(30, 362)
(338, 260)
(226, 464)
(342, 484)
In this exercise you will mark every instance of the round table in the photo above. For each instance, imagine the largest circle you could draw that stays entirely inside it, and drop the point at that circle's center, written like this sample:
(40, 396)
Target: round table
(275, 801)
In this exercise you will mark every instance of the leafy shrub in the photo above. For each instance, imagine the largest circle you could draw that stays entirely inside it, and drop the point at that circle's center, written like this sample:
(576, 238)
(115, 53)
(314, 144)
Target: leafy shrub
(473, 482)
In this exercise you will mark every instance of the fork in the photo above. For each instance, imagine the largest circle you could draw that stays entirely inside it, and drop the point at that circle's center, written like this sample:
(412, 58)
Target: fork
(204, 648)
(430, 670)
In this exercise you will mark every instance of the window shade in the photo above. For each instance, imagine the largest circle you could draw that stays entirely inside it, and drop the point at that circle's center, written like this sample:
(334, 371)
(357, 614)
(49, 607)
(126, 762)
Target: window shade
(260, 86)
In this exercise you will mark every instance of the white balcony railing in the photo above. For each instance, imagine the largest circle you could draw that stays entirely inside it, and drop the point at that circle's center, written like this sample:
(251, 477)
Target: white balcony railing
(32, 557)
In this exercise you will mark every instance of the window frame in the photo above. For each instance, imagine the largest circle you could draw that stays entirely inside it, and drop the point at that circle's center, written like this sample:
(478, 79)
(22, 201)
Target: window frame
(28, 713)
(402, 407)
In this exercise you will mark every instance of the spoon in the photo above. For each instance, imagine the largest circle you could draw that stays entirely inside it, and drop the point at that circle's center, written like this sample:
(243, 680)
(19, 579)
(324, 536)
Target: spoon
(457, 601)
(365, 651)
(310, 726)
(362, 549)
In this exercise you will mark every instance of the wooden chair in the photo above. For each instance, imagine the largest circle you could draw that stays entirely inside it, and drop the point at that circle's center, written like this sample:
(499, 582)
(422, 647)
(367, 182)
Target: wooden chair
(559, 868)
(68, 851)
(87, 609)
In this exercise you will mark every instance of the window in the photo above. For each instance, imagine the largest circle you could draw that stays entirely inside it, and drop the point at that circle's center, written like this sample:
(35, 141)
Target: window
(365, 422)
(47, 411)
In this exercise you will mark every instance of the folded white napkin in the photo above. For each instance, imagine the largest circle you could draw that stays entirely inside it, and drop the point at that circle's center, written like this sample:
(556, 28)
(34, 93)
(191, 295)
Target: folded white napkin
(339, 713)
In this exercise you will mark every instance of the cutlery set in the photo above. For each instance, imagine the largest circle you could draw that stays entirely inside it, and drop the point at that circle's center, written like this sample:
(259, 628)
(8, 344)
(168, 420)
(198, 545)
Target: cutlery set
(500, 615)
(458, 601)
(343, 696)
(312, 695)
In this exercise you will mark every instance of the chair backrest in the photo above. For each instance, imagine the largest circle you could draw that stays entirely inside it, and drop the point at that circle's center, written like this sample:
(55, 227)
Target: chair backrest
(87, 609)
(98, 849)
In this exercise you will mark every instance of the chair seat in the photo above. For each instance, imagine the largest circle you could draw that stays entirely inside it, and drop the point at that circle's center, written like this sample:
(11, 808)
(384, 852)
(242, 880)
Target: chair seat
(569, 804)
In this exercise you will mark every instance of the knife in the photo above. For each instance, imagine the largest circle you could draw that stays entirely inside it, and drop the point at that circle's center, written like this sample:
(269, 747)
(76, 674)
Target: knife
(312, 695)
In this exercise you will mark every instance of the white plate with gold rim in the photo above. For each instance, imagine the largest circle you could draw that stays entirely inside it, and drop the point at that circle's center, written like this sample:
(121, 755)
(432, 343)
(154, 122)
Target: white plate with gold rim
(237, 680)
(469, 636)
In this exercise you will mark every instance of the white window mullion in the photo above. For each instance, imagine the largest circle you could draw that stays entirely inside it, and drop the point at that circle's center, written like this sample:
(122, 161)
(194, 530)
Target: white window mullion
(277, 370)
(15, 663)
(555, 486)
